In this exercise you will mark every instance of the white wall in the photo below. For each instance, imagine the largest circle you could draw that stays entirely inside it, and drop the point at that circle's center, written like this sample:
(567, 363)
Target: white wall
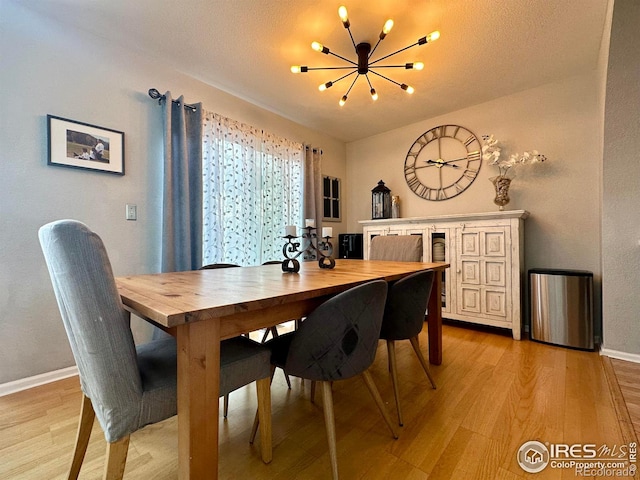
(561, 120)
(621, 180)
(47, 69)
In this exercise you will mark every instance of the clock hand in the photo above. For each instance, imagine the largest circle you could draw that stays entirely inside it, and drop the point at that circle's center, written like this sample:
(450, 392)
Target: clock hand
(430, 163)
(456, 160)
(434, 163)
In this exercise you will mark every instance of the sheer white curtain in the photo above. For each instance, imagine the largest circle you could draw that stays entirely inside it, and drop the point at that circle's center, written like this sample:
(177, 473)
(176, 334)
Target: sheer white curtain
(252, 186)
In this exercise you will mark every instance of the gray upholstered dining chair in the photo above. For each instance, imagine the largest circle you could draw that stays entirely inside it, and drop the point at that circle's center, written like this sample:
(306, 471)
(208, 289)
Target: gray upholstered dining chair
(337, 341)
(398, 248)
(126, 386)
(403, 320)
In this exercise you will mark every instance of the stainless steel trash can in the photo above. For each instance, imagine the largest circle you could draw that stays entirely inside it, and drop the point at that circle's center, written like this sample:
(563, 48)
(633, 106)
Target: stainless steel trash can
(561, 304)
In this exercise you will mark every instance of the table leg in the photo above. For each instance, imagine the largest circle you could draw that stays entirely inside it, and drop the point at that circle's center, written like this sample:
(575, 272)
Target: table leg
(198, 390)
(434, 320)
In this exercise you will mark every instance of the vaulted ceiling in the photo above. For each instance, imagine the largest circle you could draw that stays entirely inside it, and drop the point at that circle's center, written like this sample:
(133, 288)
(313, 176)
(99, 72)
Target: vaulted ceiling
(487, 49)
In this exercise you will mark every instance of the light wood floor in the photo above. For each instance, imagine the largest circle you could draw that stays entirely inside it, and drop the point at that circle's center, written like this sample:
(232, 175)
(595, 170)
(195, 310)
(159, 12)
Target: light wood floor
(627, 375)
(493, 395)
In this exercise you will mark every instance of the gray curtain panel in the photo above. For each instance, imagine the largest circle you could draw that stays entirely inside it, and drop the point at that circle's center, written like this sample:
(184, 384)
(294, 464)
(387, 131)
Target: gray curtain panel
(313, 185)
(182, 192)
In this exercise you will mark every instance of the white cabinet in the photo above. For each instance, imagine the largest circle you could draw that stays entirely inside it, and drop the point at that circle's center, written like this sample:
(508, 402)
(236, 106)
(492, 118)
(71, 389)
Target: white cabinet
(486, 253)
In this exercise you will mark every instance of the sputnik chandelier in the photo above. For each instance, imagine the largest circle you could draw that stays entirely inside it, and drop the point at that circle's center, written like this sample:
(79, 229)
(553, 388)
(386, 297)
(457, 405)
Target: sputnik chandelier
(364, 52)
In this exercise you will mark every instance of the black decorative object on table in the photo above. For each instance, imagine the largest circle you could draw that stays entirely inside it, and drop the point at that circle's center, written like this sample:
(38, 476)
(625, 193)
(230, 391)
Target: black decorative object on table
(311, 246)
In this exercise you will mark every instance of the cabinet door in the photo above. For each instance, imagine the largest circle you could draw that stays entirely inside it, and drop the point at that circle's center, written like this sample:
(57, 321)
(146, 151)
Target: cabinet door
(436, 239)
(482, 282)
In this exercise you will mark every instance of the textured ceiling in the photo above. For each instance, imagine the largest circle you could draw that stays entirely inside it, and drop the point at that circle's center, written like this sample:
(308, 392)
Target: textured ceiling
(488, 49)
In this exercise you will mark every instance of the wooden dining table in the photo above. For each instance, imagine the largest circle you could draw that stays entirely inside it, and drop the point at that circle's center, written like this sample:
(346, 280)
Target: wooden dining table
(203, 307)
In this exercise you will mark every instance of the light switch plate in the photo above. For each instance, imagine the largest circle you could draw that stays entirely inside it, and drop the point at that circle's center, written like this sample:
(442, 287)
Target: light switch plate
(132, 212)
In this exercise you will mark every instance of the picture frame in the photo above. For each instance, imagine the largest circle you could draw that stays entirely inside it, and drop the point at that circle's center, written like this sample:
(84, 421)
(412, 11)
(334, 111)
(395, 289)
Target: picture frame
(81, 145)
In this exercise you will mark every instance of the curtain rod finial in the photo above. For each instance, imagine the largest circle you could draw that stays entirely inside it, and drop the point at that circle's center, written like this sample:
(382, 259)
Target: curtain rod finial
(155, 94)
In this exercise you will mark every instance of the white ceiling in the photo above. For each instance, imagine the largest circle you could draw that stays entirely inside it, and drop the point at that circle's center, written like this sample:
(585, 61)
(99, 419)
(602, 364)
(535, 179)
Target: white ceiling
(488, 49)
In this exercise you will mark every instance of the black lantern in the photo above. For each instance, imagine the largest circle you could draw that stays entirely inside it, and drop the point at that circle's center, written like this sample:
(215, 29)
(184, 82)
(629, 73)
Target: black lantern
(380, 202)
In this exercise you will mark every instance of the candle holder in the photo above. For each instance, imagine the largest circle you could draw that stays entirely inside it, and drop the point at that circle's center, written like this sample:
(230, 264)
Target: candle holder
(311, 247)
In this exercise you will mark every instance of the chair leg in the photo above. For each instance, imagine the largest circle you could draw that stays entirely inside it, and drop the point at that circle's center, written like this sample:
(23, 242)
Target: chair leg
(286, 377)
(423, 362)
(368, 380)
(116, 459)
(254, 428)
(330, 425)
(256, 418)
(393, 368)
(266, 334)
(271, 330)
(264, 417)
(225, 408)
(313, 391)
(87, 415)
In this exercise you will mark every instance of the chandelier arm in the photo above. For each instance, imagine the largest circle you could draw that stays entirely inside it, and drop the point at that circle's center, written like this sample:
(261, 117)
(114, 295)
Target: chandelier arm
(351, 36)
(376, 46)
(386, 78)
(342, 58)
(368, 81)
(352, 84)
(344, 76)
(394, 53)
(331, 68)
(391, 66)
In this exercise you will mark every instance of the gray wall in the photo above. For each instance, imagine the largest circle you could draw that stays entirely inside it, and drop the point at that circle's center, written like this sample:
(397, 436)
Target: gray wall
(621, 180)
(47, 69)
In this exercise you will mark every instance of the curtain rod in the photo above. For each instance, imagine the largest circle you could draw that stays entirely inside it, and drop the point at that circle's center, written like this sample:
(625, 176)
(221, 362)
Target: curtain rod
(156, 95)
(307, 147)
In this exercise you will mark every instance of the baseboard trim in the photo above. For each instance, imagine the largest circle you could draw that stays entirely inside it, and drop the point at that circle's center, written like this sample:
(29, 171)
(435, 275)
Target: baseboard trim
(30, 382)
(629, 357)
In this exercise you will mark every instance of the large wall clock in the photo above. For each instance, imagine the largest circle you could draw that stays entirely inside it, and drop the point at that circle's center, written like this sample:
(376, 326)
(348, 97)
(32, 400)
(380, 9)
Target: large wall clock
(443, 162)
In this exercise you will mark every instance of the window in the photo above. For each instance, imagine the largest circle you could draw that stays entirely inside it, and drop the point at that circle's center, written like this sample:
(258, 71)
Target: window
(331, 198)
(252, 188)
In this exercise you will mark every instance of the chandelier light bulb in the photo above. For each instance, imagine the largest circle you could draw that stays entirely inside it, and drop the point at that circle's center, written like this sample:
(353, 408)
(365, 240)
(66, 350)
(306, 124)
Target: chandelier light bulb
(344, 17)
(324, 86)
(343, 100)
(374, 94)
(418, 65)
(317, 46)
(433, 36)
(388, 25)
(407, 88)
(295, 69)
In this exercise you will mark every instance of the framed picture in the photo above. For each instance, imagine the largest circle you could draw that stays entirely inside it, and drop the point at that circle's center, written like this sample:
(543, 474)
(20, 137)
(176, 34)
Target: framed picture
(80, 145)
